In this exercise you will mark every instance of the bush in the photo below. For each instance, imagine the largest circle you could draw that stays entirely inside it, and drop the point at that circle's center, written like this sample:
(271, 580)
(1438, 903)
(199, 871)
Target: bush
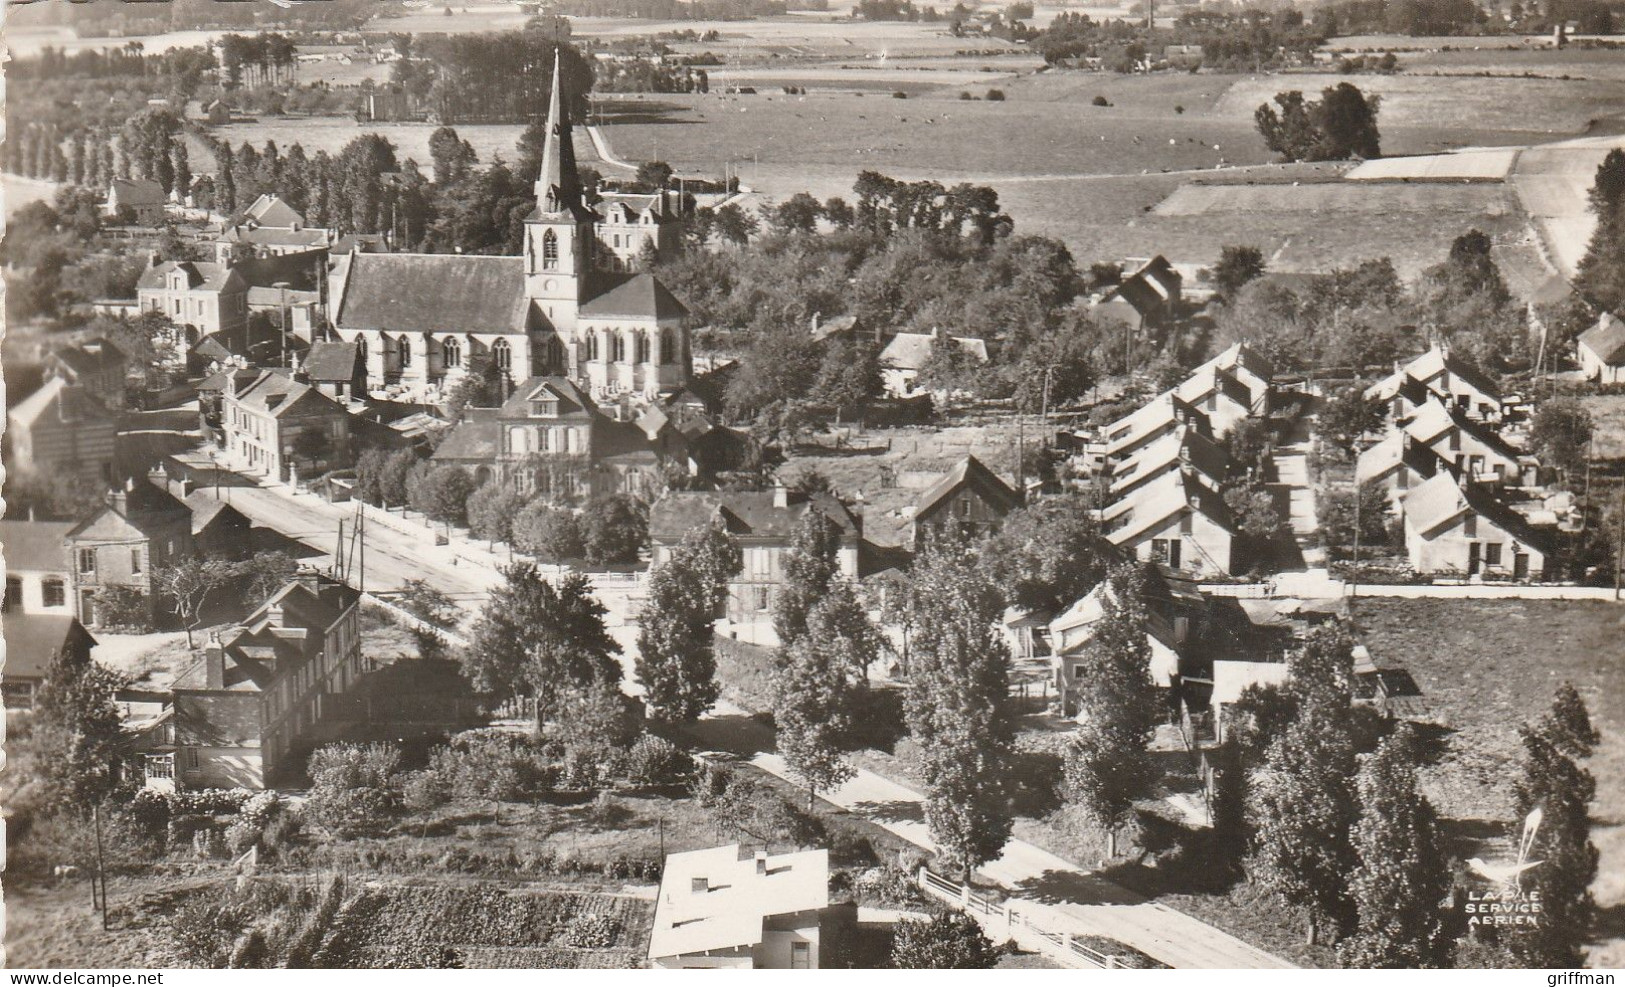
(353, 787)
(425, 790)
(589, 931)
(951, 941)
(899, 94)
(484, 765)
(995, 95)
(617, 528)
(125, 608)
(205, 927)
(1101, 101)
(550, 533)
(657, 761)
(245, 831)
(965, 95)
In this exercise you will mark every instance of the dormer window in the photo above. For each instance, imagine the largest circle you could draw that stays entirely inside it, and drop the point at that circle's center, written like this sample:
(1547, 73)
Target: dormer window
(544, 408)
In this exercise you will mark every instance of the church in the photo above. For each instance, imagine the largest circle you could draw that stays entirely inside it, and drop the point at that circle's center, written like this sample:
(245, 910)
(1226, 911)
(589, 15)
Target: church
(572, 305)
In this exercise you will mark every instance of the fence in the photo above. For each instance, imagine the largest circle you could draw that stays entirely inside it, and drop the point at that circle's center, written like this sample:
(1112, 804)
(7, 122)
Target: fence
(1015, 920)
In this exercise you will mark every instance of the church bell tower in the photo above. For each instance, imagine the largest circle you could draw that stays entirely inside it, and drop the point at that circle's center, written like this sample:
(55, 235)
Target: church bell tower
(559, 231)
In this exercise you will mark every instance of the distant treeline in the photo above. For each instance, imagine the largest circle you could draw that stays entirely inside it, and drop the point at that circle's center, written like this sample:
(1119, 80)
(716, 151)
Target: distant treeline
(491, 78)
(1254, 39)
(114, 19)
(676, 10)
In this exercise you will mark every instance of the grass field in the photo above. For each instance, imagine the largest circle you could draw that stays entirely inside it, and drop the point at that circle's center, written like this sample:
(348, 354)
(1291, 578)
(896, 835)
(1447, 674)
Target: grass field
(1485, 667)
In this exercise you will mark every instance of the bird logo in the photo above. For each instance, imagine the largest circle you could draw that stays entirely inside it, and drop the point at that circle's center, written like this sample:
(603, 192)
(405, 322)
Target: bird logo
(1510, 876)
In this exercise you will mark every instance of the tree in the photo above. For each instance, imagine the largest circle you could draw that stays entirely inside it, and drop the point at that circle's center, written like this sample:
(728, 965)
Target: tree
(676, 662)
(735, 225)
(1049, 554)
(1302, 808)
(77, 735)
(1107, 766)
(1401, 878)
(812, 712)
(537, 640)
(1561, 434)
(262, 574)
(840, 622)
(551, 533)
(616, 529)
(1341, 124)
(393, 474)
(1601, 274)
(441, 493)
(190, 583)
(797, 214)
(849, 376)
(654, 174)
(949, 941)
(810, 566)
(1342, 511)
(1552, 781)
(1254, 509)
(956, 703)
(1346, 417)
(1237, 265)
(492, 510)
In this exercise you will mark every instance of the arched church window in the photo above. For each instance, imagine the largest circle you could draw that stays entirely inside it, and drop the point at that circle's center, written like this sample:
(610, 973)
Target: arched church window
(451, 353)
(642, 347)
(502, 355)
(668, 347)
(550, 251)
(361, 347)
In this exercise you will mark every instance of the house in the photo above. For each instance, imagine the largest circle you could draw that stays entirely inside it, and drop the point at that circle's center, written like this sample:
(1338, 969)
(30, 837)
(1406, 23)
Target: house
(1460, 384)
(971, 500)
(141, 530)
(1146, 299)
(271, 210)
(638, 225)
(286, 282)
(1183, 450)
(219, 531)
(211, 391)
(1399, 463)
(96, 365)
(198, 296)
(63, 429)
(246, 710)
(565, 307)
(336, 370)
(1178, 522)
(1163, 415)
(33, 640)
(217, 113)
(762, 912)
(241, 242)
(764, 523)
(1458, 527)
(38, 575)
(144, 198)
(1171, 603)
(1471, 446)
(908, 353)
(1601, 350)
(281, 424)
(1232, 386)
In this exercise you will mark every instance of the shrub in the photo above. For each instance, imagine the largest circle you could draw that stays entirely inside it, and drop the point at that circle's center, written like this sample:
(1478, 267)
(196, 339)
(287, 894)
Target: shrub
(657, 761)
(1101, 101)
(245, 831)
(899, 94)
(125, 608)
(965, 95)
(951, 941)
(424, 790)
(617, 528)
(549, 533)
(353, 787)
(205, 927)
(589, 931)
(486, 765)
(995, 95)
(1179, 109)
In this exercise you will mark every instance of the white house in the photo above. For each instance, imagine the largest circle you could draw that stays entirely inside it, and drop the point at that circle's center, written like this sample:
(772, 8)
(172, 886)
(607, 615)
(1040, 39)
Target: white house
(1175, 521)
(1436, 370)
(908, 353)
(1456, 527)
(717, 911)
(1601, 350)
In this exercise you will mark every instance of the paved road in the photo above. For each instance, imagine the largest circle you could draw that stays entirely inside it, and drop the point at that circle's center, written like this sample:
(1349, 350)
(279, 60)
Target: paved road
(1092, 904)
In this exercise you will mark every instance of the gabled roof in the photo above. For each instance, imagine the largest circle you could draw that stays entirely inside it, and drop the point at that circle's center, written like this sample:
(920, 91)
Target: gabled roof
(1606, 339)
(1444, 498)
(474, 439)
(912, 350)
(200, 275)
(35, 546)
(278, 393)
(140, 510)
(33, 639)
(1162, 499)
(710, 899)
(574, 403)
(1435, 418)
(747, 514)
(275, 236)
(279, 636)
(89, 357)
(1184, 445)
(59, 401)
(137, 191)
(639, 297)
(270, 210)
(1430, 365)
(333, 362)
(434, 293)
(208, 510)
(970, 472)
(1166, 410)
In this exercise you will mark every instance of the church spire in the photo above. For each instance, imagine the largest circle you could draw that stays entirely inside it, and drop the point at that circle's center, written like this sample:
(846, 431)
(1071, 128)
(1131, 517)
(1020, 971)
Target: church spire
(559, 187)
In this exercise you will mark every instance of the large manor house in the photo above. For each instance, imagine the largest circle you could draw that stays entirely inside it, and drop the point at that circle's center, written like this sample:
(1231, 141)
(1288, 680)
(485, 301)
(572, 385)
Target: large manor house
(570, 306)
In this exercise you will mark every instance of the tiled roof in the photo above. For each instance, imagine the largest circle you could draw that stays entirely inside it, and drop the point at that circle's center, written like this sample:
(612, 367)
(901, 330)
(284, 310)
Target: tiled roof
(301, 270)
(137, 191)
(35, 546)
(912, 350)
(271, 210)
(969, 471)
(206, 275)
(573, 402)
(474, 439)
(33, 639)
(61, 401)
(434, 293)
(275, 236)
(639, 297)
(749, 514)
(332, 361)
(275, 393)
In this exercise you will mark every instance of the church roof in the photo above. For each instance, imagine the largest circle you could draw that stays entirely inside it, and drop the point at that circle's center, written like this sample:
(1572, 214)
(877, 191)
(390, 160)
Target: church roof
(434, 293)
(558, 188)
(640, 297)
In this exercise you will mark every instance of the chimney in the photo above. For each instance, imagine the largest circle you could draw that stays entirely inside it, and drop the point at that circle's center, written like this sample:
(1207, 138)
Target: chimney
(698, 885)
(761, 863)
(214, 663)
(781, 495)
(816, 317)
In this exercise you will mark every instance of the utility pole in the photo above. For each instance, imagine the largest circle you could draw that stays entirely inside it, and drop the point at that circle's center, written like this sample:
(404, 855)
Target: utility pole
(1354, 571)
(1619, 551)
(282, 311)
(101, 863)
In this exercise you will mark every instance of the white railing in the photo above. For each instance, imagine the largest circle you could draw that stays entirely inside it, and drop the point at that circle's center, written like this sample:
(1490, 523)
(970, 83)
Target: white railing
(1015, 920)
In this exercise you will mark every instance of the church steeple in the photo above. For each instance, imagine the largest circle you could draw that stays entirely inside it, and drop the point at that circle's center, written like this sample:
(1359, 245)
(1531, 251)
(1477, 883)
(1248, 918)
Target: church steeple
(558, 190)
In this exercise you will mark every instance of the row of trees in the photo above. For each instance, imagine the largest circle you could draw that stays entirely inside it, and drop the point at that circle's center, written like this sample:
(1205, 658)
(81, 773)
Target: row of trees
(1341, 124)
(1251, 40)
